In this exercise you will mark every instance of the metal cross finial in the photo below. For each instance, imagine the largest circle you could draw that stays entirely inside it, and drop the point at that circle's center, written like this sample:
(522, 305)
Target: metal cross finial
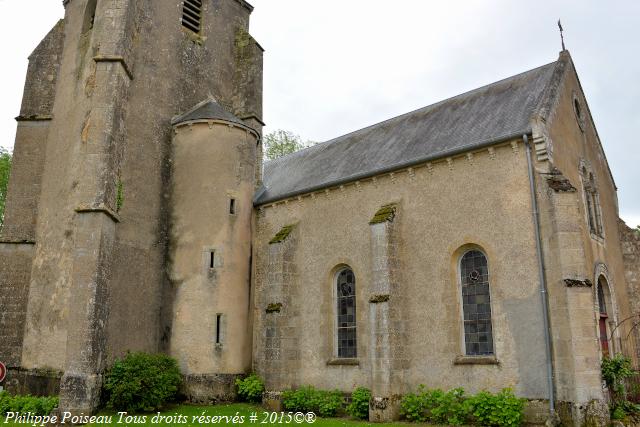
(561, 35)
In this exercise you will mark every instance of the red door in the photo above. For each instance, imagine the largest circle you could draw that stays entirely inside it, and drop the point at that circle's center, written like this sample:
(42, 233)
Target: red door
(604, 342)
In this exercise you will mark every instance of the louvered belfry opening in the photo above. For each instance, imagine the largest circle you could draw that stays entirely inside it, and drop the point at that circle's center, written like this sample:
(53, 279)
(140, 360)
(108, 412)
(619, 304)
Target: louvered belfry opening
(192, 15)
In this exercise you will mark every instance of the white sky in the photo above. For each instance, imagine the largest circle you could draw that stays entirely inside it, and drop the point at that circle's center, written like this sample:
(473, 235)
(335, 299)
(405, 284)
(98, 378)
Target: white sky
(333, 66)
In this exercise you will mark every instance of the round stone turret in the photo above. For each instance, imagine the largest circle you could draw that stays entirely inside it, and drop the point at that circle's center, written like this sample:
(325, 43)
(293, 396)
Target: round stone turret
(212, 187)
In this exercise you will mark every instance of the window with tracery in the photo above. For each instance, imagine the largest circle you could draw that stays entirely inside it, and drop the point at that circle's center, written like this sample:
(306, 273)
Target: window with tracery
(346, 313)
(476, 304)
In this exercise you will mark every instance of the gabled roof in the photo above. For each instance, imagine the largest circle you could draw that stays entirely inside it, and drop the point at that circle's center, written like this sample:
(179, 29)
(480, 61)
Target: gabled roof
(207, 110)
(490, 114)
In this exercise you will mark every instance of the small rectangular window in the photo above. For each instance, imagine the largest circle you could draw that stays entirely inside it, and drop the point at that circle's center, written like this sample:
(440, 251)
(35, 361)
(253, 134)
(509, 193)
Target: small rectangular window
(218, 328)
(192, 15)
(212, 259)
(232, 206)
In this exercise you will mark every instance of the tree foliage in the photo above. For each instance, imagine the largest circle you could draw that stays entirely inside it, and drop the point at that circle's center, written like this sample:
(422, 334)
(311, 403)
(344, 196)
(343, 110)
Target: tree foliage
(282, 142)
(5, 169)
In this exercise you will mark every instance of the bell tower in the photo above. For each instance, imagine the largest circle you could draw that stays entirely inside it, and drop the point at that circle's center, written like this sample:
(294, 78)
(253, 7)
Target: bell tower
(88, 225)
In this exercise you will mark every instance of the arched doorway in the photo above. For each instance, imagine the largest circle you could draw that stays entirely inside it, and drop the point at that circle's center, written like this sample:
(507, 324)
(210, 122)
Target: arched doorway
(604, 314)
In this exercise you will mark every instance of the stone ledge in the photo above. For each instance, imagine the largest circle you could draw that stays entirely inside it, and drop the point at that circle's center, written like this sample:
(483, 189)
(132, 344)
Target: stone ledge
(17, 242)
(376, 299)
(37, 382)
(343, 362)
(210, 388)
(578, 283)
(115, 58)
(34, 118)
(476, 360)
(99, 208)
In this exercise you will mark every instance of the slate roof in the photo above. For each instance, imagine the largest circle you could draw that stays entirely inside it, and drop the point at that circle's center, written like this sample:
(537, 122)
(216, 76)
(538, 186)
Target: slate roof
(208, 109)
(492, 113)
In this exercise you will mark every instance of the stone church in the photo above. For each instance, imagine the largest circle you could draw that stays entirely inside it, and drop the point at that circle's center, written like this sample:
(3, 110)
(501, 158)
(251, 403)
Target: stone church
(472, 243)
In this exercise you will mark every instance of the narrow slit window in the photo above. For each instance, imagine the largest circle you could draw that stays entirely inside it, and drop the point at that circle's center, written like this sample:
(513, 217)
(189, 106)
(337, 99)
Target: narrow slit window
(192, 15)
(89, 16)
(218, 329)
(232, 206)
(212, 259)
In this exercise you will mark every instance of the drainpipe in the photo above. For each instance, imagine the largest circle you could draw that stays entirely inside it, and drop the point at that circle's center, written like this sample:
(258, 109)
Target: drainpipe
(543, 280)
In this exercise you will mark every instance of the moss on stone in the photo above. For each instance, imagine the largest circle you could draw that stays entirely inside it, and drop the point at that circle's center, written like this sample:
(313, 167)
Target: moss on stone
(385, 214)
(375, 299)
(577, 283)
(242, 42)
(274, 307)
(119, 195)
(47, 372)
(282, 234)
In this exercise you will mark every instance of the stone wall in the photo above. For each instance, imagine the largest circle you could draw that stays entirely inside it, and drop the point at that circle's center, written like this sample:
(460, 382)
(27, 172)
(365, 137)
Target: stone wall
(566, 144)
(444, 207)
(279, 309)
(15, 269)
(630, 239)
(18, 232)
(42, 75)
(37, 382)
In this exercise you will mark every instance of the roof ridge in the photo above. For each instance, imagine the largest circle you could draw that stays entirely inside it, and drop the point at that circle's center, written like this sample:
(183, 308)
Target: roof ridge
(199, 105)
(550, 91)
(433, 105)
(477, 118)
(210, 108)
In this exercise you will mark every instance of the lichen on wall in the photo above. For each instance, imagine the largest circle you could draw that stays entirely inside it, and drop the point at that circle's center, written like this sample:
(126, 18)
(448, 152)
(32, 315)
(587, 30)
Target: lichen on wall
(282, 234)
(385, 213)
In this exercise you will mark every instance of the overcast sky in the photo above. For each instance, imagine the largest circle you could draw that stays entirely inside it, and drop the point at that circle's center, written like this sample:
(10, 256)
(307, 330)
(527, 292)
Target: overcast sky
(334, 66)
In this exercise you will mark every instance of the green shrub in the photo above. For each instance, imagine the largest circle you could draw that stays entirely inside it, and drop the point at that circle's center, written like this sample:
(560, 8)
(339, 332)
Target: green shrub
(614, 371)
(142, 382)
(308, 399)
(414, 405)
(450, 408)
(436, 406)
(359, 406)
(622, 409)
(25, 404)
(453, 408)
(618, 413)
(250, 389)
(502, 409)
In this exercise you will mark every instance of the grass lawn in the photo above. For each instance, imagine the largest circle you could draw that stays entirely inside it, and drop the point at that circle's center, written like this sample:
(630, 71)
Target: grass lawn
(230, 410)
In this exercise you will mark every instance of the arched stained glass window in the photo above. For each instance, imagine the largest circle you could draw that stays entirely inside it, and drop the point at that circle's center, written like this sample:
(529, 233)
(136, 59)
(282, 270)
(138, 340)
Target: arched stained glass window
(346, 310)
(474, 278)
